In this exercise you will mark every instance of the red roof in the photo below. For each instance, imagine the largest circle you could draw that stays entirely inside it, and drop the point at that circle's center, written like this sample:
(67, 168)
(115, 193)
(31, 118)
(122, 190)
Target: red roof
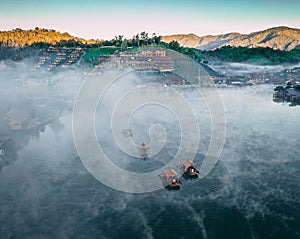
(170, 173)
(189, 163)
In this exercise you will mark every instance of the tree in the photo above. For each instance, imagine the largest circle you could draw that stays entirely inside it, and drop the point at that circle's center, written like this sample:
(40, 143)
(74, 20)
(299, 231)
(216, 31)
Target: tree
(119, 40)
(174, 45)
(156, 39)
(153, 38)
(289, 85)
(279, 88)
(144, 37)
(137, 38)
(124, 45)
(297, 88)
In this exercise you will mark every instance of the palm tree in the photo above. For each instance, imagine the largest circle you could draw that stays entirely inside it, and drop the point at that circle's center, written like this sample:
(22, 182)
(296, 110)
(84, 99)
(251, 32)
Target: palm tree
(153, 38)
(144, 36)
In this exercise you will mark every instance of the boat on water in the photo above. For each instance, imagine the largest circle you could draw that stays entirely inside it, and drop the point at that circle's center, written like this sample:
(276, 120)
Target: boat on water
(143, 150)
(189, 168)
(170, 179)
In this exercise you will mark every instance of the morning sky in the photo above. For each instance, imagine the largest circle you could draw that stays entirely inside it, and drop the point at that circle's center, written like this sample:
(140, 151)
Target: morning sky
(105, 19)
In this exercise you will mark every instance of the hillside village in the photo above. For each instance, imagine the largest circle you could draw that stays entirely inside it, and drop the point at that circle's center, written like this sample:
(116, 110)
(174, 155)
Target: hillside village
(52, 51)
(55, 57)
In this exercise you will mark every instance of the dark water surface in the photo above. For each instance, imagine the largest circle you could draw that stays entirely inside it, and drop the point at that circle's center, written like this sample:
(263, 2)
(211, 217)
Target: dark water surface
(253, 191)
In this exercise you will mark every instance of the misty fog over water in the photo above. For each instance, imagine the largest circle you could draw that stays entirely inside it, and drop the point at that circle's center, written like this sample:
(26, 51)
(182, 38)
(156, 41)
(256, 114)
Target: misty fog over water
(46, 192)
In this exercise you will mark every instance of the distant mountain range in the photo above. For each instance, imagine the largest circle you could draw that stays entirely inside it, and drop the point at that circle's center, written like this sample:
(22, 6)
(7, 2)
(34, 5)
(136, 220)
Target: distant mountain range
(283, 38)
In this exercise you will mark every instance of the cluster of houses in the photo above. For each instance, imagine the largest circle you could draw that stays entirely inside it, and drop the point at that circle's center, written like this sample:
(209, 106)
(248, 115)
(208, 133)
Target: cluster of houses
(253, 78)
(54, 57)
(290, 93)
(156, 60)
(145, 60)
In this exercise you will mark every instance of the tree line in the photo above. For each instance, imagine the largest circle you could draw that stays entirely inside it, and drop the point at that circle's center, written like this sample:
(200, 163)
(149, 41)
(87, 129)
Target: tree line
(44, 38)
(254, 55)
(260, 55)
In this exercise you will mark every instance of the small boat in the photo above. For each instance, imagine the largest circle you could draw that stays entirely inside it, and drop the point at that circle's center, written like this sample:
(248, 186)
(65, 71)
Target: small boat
(170, 179)
(189, 168)
(143, 150)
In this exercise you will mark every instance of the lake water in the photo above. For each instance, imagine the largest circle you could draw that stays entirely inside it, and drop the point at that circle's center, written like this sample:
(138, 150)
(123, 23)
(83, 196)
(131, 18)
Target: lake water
(252, 192)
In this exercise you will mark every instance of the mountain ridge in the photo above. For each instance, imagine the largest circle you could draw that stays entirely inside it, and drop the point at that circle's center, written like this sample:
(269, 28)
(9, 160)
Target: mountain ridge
(281, 37)
(20, 38)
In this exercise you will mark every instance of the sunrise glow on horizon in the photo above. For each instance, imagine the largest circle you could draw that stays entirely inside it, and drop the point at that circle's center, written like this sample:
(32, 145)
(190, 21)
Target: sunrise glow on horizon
(104, 20)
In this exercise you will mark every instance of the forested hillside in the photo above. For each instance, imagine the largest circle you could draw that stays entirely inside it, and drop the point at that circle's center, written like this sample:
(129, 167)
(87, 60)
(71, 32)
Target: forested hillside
(21, 38)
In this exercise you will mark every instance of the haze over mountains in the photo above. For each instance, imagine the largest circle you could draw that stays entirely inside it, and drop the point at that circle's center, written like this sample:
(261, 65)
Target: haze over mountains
(283, 38)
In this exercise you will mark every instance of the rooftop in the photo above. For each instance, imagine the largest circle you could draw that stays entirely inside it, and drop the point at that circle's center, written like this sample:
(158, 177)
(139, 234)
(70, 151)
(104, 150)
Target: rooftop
(170, 173)
(294, 93)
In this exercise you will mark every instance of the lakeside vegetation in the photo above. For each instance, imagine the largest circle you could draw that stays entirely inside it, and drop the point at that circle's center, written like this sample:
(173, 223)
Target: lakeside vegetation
(289, 93)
